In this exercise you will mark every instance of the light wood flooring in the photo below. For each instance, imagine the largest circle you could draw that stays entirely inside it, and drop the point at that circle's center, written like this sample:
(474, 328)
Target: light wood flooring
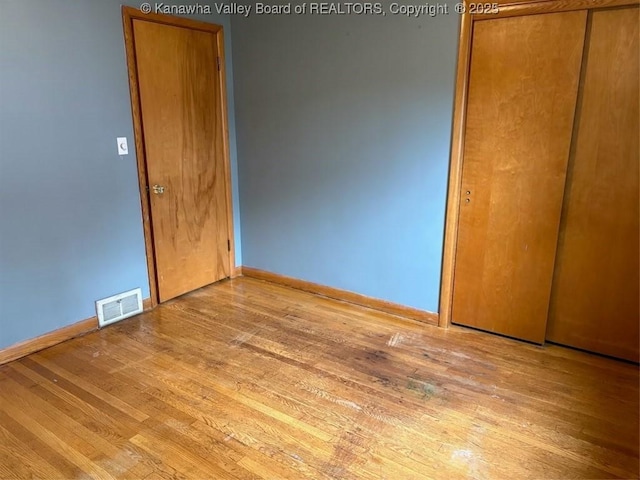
(246, 379)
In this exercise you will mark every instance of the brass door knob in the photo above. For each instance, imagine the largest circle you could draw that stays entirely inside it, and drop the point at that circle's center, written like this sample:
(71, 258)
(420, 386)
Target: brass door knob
(158, 189)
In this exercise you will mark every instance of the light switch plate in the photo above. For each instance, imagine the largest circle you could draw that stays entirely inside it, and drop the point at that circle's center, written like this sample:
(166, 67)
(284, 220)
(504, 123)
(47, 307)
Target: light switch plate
(123, 149)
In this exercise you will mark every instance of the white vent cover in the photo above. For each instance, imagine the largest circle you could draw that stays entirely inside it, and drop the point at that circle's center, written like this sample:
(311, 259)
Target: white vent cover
(119, 307)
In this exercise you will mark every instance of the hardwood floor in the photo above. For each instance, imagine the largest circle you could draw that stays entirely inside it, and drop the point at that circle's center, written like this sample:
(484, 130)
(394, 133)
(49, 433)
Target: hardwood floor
(246, 379)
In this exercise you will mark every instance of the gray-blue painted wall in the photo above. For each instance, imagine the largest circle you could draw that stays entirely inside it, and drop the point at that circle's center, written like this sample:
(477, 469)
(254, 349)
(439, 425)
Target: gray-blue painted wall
(343, 130)
(70, 219)
(344, 126)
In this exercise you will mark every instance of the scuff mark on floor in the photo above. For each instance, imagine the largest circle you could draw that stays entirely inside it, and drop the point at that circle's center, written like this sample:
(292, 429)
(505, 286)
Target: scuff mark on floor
(296, 457)
(425, 388)
(461, 454)
(376, 355)
(348, 403)
(242, 338)
(395, 339)
(470, 459)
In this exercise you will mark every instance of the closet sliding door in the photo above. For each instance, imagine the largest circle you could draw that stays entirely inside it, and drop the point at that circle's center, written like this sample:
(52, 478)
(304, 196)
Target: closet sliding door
(523, 87)
(595, 301)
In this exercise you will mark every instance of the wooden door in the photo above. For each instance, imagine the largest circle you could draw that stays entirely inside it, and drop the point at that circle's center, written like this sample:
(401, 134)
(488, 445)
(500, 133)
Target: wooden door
(595, 298)
(523, 85)
(182, 125)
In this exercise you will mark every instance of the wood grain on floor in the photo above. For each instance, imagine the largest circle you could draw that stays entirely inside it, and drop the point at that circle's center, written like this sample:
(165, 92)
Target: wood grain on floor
(245, 379)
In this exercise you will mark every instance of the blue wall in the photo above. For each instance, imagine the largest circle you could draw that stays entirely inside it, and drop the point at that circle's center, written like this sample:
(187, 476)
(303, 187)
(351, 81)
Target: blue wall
(344, 128)
(70, 219)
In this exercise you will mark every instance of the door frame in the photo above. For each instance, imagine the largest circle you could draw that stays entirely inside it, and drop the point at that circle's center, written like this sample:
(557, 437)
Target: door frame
(128, 15)
(452, 213)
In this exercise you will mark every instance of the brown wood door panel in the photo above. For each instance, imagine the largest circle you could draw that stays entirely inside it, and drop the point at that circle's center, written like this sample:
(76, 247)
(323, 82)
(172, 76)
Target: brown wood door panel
(520, 110)
(595, 300)
(183, 136)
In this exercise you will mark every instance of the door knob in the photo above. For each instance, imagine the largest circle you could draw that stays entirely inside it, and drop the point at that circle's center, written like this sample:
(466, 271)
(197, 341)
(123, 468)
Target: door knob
(158, 189)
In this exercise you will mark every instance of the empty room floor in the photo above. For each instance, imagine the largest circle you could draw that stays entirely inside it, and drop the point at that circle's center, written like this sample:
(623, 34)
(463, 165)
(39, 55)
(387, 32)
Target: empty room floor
(246, 379)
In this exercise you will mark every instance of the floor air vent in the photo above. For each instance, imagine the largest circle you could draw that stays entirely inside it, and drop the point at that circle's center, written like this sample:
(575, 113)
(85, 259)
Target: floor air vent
(119, 307)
